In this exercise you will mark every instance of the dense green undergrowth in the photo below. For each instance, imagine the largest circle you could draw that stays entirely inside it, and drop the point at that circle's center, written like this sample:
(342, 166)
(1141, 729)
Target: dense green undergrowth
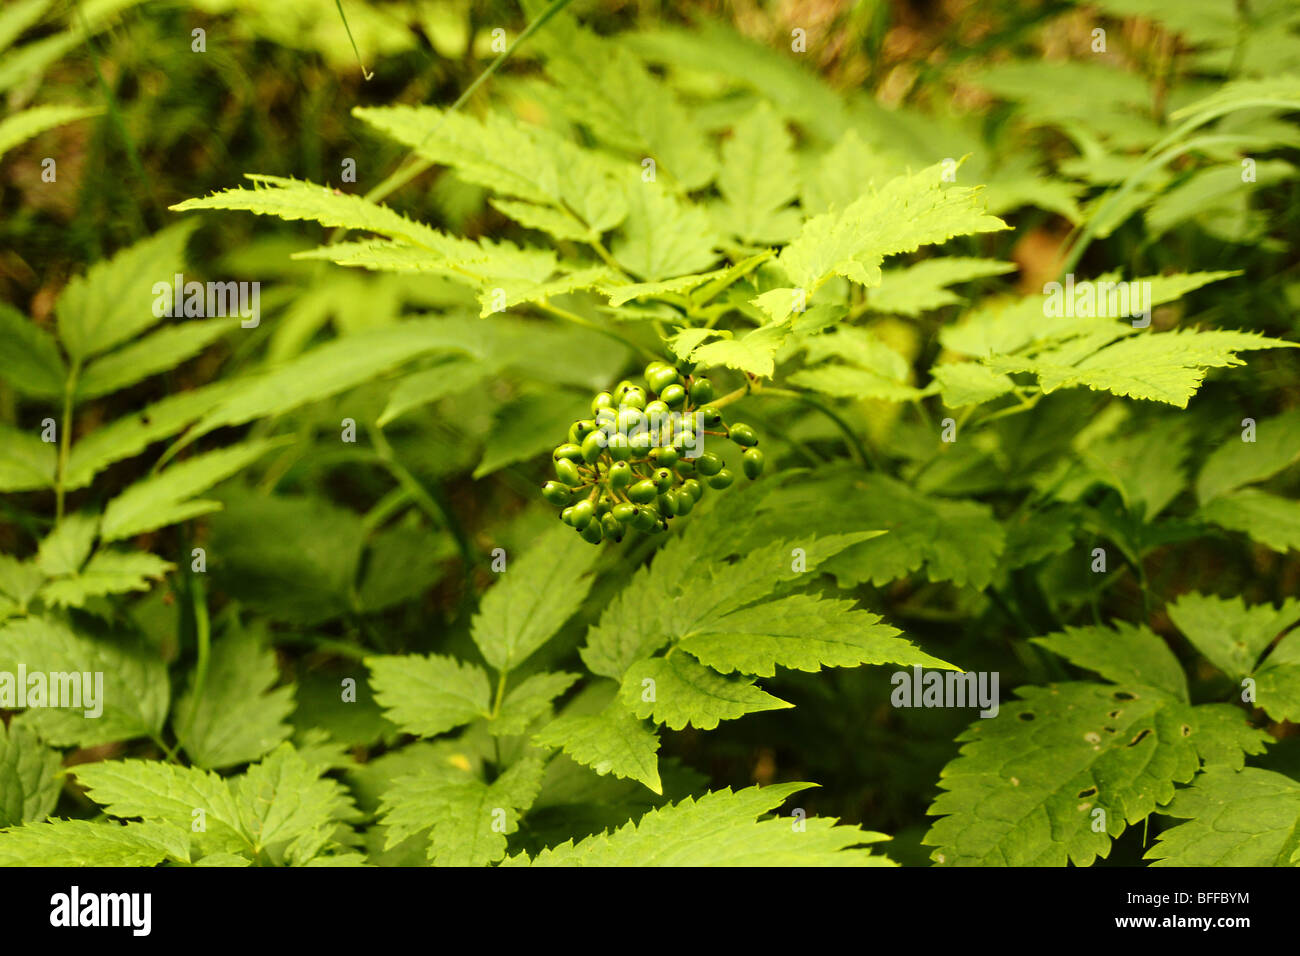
(306, 545)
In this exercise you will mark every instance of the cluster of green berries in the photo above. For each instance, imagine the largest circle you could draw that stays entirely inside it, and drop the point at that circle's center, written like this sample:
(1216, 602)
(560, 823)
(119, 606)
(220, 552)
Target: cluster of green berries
(639, 461)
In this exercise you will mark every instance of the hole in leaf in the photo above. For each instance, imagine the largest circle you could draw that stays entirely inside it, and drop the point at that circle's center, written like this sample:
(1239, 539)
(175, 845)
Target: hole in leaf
(1186, 730)
(1138, 739)
(1109, 730)
(1124, 695)
(1026, 715)
(1090, 792)
(1114, 714)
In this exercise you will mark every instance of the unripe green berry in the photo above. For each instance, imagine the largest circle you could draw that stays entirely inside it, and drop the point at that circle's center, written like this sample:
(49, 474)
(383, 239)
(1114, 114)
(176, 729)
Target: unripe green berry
(693, 488)
(664, 457)
(620, 475)
(606, 416)
(582, 514)
(646, 519)
(643, 492)
(620, 390)
(603, 400)
(709, 464)
(567, 450)
(556, 493)
(663, 479)
(656, 409)
(685, 468)
(683, 441)
(752, 461)
(580, 430)
(629, 420)
(710, 415)
(639, 444)
(654, 367)
(674, 395)
(667, 504)
(683, 501)
(743, 435)
(567, 472)
(591, 532)
(593, 446)
(624, 511)
(662, 378)
(634, 396)
(722, 479)
(611, 527)
(619, 447)
(701, 391)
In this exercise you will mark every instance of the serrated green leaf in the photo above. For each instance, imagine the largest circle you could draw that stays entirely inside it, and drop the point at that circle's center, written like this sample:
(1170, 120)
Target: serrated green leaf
(29, 781)
(238, 718)
(132, 433)
(758, 179)
(156, 352)
(29, 358)
(80, 843)
(1126, 654)
(467, 820)
(527, 425)
(957, 541)
(1247, 818)
(65, 549)
(1271, 520)
(924, 286)
(605, 87)
(532, 599)
(168, 497)
(611, 741)
(662, 236)
(678, 690)
(135, 690)
(1275, 446)
(968, 383)
(429, 695)
(901, 216)
(281, 809)
(1024, 790)
(719, 829)
(19, 127)
(26, 462)
(296, 199)
(113, 302)
(1164, 367)
(1230, 633)
(754, 352)
(514, 159)
(332, 368)
(800, 632)
(108, 572)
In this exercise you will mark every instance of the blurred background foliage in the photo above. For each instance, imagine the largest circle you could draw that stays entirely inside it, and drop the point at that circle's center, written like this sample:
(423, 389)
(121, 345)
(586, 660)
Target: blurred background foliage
(328, 557)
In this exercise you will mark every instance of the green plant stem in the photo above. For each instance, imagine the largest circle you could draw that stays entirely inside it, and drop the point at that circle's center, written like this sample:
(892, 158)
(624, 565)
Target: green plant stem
(202, 640)
(414, 165)
(866, 456)
(341, 648)
(162, 745)
(568, 316)
(500, 694)
(65, 439)
(435, 509)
